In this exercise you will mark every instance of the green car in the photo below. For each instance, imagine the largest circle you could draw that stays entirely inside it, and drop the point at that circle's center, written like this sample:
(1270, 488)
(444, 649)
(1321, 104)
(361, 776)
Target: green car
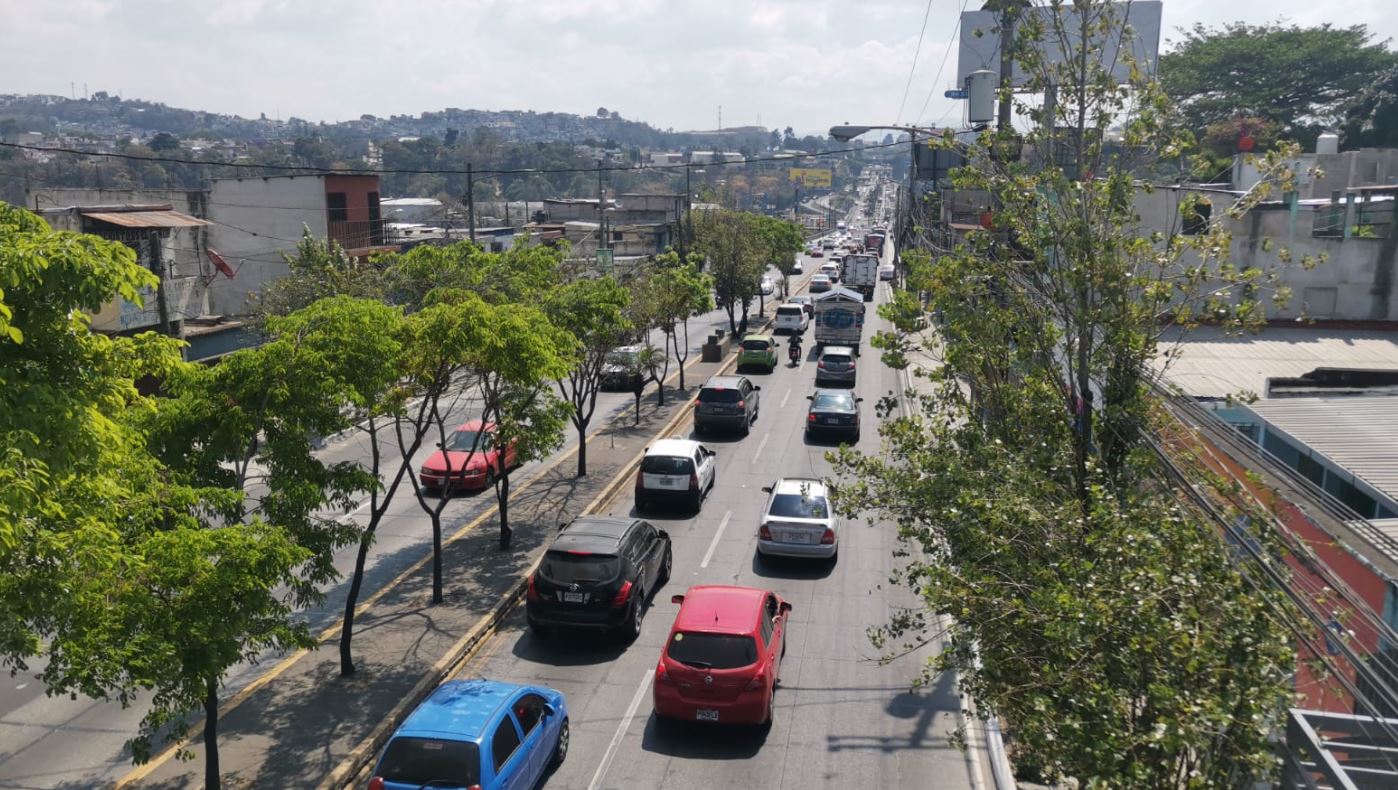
(758, 351)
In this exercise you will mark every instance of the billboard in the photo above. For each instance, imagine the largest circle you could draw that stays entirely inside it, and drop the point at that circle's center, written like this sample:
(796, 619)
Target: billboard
(810, 176)
(980, 43)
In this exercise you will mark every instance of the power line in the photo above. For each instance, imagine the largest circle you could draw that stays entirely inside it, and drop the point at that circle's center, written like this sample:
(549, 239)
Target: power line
(945, 56)
(913, 70)
(310, 171)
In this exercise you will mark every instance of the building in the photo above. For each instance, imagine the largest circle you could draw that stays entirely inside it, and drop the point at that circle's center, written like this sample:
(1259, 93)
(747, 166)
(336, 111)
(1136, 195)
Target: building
(712, 157)
(257, 220)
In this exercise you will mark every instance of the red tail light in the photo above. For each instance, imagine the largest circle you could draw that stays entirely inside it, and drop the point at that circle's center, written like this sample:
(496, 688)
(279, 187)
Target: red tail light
(531, 592)
(640, 480)
(376, 783)
(621, 595)
(758, 681)
(810, 418)
(829, 537)
(661, 676)
(821, 364)
(764, 533)
(851, 364)
(742, 404)
(693, 481)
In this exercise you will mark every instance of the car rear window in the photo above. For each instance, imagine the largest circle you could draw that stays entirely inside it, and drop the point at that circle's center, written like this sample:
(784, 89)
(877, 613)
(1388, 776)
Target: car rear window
(716, 395)
(566, 568)
(416, 761)
(833, 400)
(713, 651)
(843, 359)
(667, 465)
(794, 311)
(798, 506)
(756, 345)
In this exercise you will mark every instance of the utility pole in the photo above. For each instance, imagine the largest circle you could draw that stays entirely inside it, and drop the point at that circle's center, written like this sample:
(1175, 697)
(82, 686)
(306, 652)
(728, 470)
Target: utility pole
(157, 267)
(471, 200)
(688, 204)
(601, 210)
(1009, 13)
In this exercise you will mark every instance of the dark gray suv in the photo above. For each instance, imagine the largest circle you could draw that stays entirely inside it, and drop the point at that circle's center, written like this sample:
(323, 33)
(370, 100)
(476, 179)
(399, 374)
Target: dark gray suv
(726, 402)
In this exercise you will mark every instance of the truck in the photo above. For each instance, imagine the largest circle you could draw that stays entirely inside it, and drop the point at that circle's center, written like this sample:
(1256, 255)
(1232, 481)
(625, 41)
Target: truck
(839, 318)
(861, 273)
(873, 242)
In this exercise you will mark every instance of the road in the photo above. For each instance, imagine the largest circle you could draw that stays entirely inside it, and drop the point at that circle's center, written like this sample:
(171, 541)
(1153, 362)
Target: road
(59, 742)
(842, 718)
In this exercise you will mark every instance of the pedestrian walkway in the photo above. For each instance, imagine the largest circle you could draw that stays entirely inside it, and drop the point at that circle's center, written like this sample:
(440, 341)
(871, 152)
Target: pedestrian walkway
(301, 724)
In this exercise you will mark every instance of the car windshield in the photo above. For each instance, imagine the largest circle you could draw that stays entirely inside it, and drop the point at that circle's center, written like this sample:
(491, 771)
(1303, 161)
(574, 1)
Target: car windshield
(466, 441)
(666, 465)
(416, 761)
(833, 400)
(568, 568)
(798, 506)
(755, 345)
(718, 395)
(713, 651)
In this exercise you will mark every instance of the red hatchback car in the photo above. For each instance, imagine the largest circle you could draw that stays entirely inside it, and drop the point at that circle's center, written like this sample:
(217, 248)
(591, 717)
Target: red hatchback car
(723, 657)
(468, 460)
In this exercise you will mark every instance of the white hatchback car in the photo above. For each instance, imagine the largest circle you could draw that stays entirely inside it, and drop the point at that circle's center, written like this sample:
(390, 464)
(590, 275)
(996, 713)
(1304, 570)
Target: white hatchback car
(798, 520)
(675, 470)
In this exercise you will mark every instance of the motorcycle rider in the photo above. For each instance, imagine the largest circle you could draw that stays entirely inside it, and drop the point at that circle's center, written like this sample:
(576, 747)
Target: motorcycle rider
(793, 349)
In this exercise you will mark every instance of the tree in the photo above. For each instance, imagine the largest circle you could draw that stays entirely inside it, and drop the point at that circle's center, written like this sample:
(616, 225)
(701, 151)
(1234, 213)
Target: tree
(1095, 606)
(318, 268)
(734, 259)
(164, 142)
(512, 361)
(1299, 78)
(781, 242)
(1372, 120)
(671, 294)
(594, 312)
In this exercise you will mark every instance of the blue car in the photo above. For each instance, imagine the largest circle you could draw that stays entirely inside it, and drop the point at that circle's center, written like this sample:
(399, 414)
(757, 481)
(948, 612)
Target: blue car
(477, 735)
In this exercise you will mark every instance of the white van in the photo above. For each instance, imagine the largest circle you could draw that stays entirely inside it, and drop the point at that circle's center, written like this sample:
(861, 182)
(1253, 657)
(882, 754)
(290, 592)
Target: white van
(791, 319)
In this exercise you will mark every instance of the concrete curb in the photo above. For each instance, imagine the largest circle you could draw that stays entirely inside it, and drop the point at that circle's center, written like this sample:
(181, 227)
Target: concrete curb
(351, 770)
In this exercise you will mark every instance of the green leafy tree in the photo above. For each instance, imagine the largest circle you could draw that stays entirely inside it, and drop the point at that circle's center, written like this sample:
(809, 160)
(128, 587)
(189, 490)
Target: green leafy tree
(1093, 605)
(729, 242)
(1300, 78)
(593, 311)
(318, 268)
(1372, 120)
(673, 293)
(781, 243)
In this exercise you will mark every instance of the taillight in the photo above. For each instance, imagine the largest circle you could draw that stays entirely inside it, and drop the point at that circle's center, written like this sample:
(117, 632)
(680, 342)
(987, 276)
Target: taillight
(693, 481)
(742, 404)
(851, 364)
(758, 681)
(821, 364)
(764, 533)
(619, 600)
(640, 480)
(810, 418)
(829, 537)
(531, 592)
(661, 676)
(376, 783)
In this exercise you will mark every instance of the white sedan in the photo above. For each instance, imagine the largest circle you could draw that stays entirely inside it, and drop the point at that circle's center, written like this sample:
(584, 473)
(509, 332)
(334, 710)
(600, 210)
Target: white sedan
(798, 520)
(767, 286)
(886, 271)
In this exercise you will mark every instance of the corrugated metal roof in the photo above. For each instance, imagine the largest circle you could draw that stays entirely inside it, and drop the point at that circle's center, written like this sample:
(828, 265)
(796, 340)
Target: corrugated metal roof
(1357, 434)
(1211, 364)
(146, 219)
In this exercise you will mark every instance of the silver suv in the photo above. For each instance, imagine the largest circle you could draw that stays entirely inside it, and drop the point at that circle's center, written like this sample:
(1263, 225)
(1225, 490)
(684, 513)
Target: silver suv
(726, 402)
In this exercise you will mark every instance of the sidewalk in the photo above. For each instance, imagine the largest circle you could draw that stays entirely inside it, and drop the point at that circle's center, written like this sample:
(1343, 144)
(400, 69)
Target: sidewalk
(302, 725)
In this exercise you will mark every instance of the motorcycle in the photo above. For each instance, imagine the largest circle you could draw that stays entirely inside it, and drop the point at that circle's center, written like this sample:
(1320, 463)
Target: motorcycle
(793, 352)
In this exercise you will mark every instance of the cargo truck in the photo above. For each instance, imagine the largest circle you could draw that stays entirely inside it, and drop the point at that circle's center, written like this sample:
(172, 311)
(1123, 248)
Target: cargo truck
(839, 318)
(861, 273)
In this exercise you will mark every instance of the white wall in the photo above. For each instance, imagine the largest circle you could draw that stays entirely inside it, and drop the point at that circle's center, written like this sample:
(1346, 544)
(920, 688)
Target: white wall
(255, 221)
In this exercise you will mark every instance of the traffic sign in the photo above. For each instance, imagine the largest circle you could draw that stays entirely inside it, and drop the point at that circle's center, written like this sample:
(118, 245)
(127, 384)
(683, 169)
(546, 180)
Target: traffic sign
(955, 94)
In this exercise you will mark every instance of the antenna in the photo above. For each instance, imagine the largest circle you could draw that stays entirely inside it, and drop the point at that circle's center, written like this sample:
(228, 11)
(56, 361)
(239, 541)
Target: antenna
(720, 117)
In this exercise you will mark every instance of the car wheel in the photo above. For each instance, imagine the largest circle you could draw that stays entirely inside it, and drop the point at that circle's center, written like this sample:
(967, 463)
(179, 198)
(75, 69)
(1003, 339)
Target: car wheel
(747, 426)
(490, 477)
(560, 752)
(667, 566)
(698, 503)
(631, 629)
(771, 710)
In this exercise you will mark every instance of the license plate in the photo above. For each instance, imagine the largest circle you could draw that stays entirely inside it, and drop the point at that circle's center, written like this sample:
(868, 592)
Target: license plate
(796, 537)
(574, 597)
(705, 714)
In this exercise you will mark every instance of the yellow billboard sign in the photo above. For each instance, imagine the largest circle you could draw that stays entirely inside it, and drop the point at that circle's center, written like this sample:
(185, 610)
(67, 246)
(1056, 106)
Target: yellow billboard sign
(810, 176)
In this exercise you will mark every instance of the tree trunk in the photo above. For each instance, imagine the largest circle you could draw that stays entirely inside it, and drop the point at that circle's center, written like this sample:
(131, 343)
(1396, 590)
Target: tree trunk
(686, 352)
(732, 322)
(351, 600)
(638, 407)
(211, 777)
(502, 498)
(582, 448)
(437, 554)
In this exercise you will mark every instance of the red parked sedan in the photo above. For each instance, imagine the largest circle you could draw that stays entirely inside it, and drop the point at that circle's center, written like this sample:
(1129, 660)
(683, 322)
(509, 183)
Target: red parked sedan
(723, 656)
(469, 459)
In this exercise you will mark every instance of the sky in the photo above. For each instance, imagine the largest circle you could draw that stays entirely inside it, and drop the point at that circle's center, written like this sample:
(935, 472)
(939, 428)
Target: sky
(807, 64)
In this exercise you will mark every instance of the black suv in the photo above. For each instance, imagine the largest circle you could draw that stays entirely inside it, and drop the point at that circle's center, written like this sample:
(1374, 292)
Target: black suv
(726, 402)
(598, 574)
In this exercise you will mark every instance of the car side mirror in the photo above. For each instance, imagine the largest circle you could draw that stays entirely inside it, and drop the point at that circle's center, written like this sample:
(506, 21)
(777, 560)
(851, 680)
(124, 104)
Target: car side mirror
(550, 710)
(810, 397)
(785, 608)
(562, 525)
(766, 489)
(756, 388)
(677, 599)
(858, 400)
(441, 445)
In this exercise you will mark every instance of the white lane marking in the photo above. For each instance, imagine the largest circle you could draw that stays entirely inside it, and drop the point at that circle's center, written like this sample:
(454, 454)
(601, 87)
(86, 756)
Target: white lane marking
(346, 517)
(713, 544)
(782, 405)
(761, 445)
(621, 729)
(21, 687)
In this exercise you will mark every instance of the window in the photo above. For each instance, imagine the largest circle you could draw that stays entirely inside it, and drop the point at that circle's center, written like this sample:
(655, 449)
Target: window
(529, 710)
(713, 651)
(503, 743)
(563, 568)
(798, 506)
(337, 206)
(466, 441)
(834, 400)
(416, 760)
(767, 624)
(667, 465)
(1195, 213)
(756, 345)
(719, 395)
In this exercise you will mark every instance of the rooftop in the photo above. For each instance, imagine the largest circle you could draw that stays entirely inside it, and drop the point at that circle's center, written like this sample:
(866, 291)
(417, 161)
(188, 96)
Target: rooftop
(1208, 363)
(1356, 434)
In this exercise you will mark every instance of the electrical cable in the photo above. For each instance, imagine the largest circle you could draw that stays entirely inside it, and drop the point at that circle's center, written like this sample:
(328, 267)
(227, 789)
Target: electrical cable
(913, 70)
(945, 56)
